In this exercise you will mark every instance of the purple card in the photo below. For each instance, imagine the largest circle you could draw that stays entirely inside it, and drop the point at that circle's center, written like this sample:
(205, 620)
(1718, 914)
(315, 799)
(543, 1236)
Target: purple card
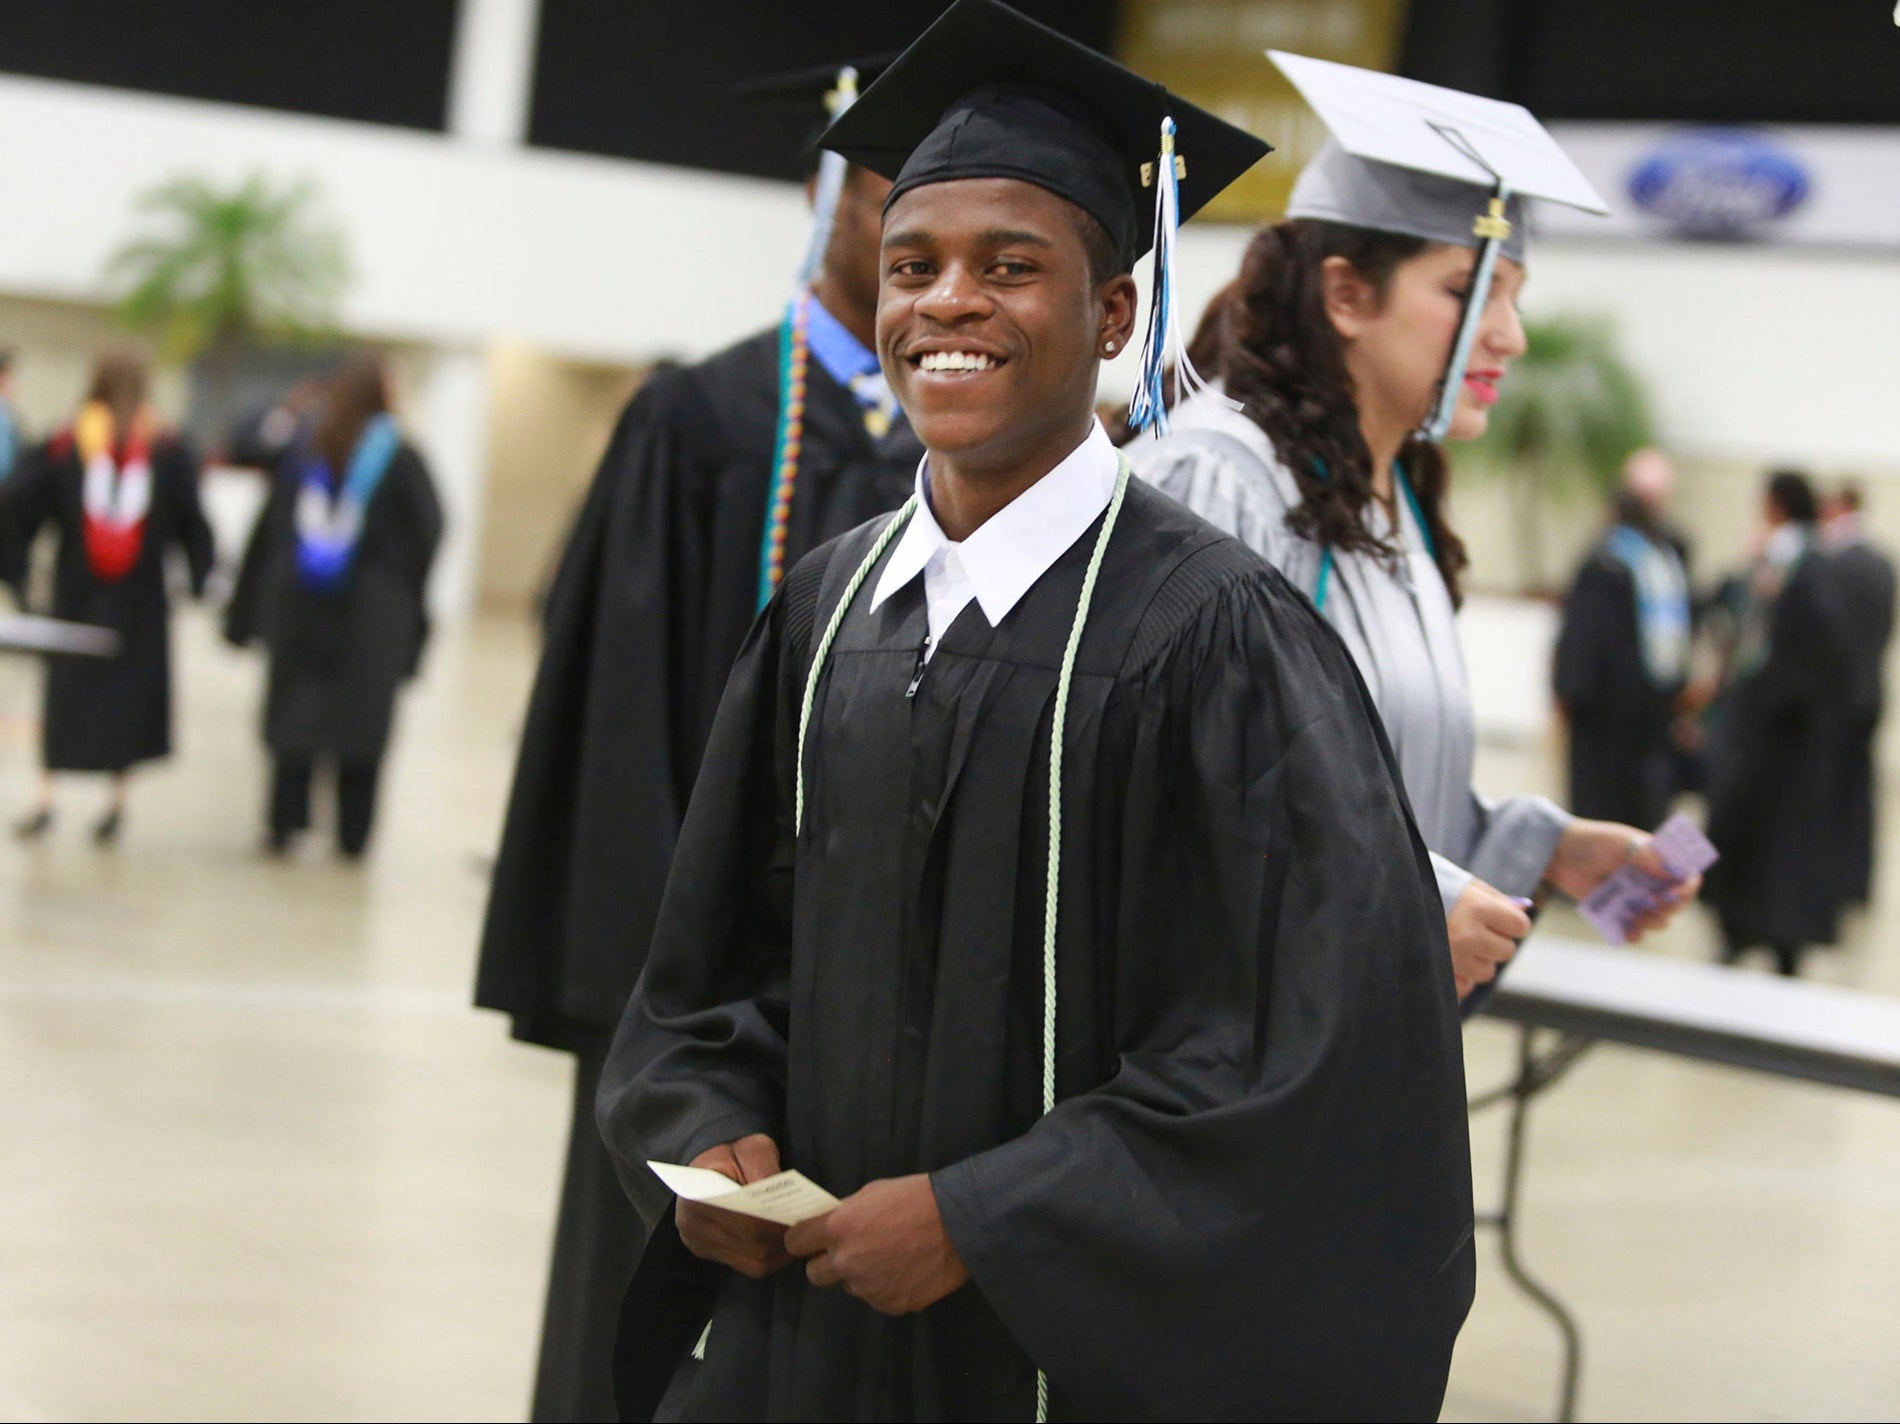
(1628, 894)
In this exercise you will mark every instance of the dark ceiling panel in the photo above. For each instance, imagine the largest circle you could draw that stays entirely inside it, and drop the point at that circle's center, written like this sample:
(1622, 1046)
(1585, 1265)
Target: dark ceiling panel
(1725, 61)
(652, 79)
(380, 61)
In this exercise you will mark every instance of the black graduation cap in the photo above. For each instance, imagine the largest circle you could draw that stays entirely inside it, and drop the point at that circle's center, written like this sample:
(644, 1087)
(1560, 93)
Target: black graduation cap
(808, 90)
(987, 92)
(814, 96)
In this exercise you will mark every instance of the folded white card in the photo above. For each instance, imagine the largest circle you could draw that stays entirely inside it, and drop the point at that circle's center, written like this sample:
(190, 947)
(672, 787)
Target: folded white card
(788, 1198)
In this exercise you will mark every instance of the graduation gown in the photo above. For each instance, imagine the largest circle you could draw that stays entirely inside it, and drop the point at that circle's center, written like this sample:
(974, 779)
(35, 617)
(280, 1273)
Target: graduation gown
(1253, 1198)
(1774, 751)
(1860, 580)
(1623, 764)
(653, 598)
(338, 659)
(107, 714)
(1398, 621)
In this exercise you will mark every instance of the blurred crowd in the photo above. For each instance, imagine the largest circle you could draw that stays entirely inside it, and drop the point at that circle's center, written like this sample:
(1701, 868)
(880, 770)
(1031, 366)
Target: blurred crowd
(331, 582)
(1759, 689)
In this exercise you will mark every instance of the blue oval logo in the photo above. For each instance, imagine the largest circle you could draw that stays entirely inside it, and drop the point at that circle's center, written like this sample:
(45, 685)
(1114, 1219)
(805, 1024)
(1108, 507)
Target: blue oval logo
(1719, 182)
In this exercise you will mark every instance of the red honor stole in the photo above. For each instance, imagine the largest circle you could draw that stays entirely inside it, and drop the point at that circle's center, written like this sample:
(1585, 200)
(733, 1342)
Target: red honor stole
(116, 494)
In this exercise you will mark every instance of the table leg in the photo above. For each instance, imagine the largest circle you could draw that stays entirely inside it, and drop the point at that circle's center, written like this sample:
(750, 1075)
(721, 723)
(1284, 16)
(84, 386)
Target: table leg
(1534, 1074)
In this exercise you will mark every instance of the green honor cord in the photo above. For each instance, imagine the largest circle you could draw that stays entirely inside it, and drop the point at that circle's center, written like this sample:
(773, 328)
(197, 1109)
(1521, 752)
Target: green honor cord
(1052, 894)
(1058, 720)
(890, 532)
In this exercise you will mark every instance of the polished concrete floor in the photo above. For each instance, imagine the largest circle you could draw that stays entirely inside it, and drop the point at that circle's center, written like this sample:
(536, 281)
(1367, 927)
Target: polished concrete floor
(263, 1162)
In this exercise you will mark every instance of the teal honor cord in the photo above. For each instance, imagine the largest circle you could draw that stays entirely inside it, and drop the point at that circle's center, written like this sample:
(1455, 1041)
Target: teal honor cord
(1323, 584)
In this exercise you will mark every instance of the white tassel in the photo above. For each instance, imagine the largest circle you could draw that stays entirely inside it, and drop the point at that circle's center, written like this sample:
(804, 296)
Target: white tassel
(1166, 341)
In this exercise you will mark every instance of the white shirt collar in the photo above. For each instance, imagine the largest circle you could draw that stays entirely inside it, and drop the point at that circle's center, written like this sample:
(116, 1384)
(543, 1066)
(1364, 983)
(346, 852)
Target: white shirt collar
(1002, 560)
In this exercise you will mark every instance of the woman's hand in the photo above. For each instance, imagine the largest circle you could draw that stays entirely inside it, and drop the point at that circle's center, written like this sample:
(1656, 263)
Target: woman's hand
(1485, 926)
(1591, 851)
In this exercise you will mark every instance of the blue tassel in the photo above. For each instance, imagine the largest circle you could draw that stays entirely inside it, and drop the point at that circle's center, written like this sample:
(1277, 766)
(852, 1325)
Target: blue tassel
(1166, 342)
(1149, 409)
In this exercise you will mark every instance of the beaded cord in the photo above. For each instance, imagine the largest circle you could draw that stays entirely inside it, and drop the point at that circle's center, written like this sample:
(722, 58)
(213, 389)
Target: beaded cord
(794, 364)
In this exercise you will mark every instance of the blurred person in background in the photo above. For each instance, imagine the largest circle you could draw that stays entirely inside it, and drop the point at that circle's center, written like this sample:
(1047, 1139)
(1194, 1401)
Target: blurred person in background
(333, 582)
(1774, 740)
(1310, 453)
(120, 490)
(1861, 579)
(9, 422)
(718, 476)
(261, 440)
(1649, 477)
(1622, 657)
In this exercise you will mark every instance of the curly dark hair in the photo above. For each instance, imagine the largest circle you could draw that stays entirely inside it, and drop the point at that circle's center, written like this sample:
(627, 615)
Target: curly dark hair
(1286, 364)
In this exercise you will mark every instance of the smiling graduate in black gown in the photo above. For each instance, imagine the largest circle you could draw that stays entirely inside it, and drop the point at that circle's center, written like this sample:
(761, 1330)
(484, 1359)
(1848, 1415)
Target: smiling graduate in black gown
(1047, 893)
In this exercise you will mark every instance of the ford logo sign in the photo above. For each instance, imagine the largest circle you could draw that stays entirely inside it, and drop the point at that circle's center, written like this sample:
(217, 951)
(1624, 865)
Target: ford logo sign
(1719, 182)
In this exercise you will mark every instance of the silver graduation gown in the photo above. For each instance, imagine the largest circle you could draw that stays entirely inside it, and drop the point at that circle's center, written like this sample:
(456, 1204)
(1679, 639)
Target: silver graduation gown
(1400, 626)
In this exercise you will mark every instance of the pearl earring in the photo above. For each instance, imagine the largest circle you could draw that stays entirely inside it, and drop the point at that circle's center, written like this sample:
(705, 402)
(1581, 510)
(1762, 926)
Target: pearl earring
(1111, 348)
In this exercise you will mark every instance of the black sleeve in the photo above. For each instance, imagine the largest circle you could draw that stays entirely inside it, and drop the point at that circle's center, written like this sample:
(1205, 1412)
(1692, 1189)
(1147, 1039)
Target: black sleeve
(1806, 661)
(26, 503)
(244, 613)
(700, 1055)
(607, 757)
(423, 523)
(1598, 663)
(193, 530)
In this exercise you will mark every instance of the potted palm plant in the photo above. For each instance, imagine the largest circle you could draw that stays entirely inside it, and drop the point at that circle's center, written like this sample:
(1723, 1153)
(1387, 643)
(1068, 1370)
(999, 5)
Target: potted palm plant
(1566, 420)
(221, 275)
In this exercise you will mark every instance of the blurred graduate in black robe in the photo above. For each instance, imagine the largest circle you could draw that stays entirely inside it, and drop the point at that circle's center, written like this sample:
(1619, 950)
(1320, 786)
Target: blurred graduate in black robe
(1774, 743)
(334, 581)
(1048, 892)
(1861, 582)
(718, 475)
(122, 492)
(1623, 660)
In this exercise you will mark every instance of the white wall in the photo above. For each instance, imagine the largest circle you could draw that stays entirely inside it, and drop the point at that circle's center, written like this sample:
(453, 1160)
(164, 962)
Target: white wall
(1752, 353)
(453, 241)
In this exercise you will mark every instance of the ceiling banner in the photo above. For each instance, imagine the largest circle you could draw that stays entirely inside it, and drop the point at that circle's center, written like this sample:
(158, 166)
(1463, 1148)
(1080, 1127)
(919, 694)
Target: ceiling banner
(1214, 53)
(1803, 185)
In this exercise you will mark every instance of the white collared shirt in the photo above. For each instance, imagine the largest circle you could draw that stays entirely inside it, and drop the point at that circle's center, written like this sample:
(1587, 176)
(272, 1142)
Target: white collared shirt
(1013, 548)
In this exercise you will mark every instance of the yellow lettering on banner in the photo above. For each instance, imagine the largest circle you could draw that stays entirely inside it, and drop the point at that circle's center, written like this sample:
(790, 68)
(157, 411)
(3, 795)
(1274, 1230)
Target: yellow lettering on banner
(1213, 52)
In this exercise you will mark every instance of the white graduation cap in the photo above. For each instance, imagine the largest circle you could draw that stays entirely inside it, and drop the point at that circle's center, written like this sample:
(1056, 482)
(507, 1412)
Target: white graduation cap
(1430, 162)
(1430, 129)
